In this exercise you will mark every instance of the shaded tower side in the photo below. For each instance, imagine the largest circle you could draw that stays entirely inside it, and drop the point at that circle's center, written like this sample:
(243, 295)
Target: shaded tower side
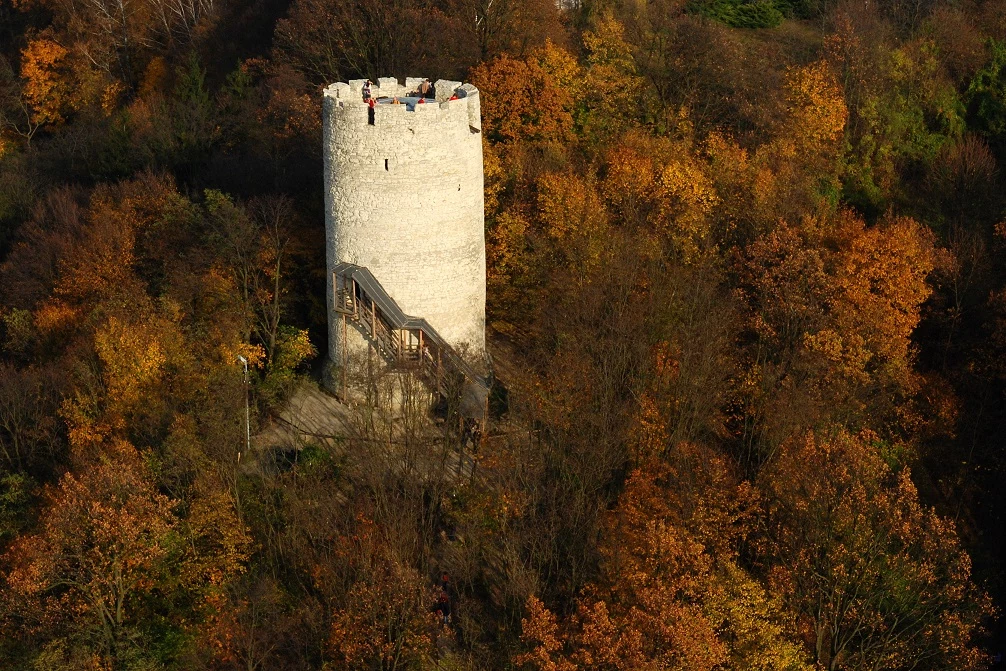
(404, 198)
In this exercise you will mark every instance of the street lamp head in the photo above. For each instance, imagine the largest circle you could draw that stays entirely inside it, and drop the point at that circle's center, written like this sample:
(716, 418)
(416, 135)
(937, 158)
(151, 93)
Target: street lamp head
(242, 359)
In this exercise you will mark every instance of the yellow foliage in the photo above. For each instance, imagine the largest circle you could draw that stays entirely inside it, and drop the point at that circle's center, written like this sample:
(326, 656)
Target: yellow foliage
(606, 46)
(573, 216)
(133, 359)
(664, 186)
(569, 206)
(788, 176)
(754, 623)
(816, 105)
(687, 198)
(492, 172)
(86, 430)
(46, 85)
(614, 93)
(507, 259)
(110, 97)
(560, 68)
(219, 543)
(846, 357)
(254, 353)
(7, 145)
(294, 347)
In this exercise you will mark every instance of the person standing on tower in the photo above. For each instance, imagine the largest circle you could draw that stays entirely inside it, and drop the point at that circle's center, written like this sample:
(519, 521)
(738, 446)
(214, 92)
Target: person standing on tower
(427, 90)
(366, 91)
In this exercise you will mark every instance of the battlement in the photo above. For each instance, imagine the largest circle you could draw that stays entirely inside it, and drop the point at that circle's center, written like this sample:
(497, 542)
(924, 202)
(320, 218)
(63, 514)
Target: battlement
(346, 99)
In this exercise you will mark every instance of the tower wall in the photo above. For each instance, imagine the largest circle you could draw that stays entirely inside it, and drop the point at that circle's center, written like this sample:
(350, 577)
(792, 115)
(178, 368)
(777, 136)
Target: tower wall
(404, 197)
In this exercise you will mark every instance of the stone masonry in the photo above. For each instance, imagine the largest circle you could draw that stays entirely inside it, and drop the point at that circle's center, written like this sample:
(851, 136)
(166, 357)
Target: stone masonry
(404, 197)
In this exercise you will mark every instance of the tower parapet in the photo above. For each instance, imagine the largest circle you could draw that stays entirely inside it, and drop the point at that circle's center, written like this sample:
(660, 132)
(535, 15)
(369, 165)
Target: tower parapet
(404, 198)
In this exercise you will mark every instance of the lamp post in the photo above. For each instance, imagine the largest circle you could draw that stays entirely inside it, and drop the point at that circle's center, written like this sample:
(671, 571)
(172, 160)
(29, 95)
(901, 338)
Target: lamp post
(247, 410)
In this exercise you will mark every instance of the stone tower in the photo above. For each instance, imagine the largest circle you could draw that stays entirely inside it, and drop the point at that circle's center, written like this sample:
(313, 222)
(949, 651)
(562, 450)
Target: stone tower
(404, 198)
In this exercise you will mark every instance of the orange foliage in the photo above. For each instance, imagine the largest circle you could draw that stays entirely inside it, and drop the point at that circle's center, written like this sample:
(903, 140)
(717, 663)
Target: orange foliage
(528, 100)
(46, 82)
(879, 577)
(385, 619)
(666, 601)
(880, 280)
(541, 630)
(101, 543)
(102, 265)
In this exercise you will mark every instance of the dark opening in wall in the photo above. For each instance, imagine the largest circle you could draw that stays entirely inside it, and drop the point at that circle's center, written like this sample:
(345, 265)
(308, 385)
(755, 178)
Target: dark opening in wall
(385, 164)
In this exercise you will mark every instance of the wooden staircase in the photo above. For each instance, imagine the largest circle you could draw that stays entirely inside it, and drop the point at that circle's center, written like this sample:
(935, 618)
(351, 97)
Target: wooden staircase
(406, 342)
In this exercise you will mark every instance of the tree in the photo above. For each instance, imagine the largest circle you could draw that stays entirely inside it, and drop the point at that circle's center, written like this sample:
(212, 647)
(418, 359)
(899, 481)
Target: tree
(572, 218)
(880, 281)
(525, 100)
(29, 427)
(46, 87)
(831, 328)
(986, 94)
(17, 118)
(664, 188)
(620, 97)
(257, 248)
(375, 39)
(881, 580)
(513, 26)
(385, 619)
(665, 600)
(101, 546)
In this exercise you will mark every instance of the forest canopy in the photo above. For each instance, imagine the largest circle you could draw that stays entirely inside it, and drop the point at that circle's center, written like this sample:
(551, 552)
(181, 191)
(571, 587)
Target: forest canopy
(742, 298)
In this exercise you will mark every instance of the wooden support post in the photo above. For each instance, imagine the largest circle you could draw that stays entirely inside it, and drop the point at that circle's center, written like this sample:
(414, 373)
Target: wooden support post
(345, 357)
(373, 319)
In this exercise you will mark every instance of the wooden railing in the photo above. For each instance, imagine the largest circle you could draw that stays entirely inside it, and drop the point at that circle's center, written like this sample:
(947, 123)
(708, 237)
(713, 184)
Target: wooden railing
(404, 341)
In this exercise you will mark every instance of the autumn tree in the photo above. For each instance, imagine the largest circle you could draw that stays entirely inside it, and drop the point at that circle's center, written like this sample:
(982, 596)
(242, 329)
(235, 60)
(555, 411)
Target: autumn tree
(101, 547)
(666, 600)
(16, 114)
(529, 100)
(880, 578)
(384, 618)
(515, 26)
(831, 328)
(881, 282)
(258, 251)
(620, 98)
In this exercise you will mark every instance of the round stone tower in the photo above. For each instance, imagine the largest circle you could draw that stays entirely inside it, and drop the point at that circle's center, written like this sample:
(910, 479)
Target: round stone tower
(404, 198)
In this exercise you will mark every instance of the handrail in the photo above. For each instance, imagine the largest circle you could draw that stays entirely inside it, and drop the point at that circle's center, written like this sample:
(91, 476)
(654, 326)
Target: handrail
(405, 340)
